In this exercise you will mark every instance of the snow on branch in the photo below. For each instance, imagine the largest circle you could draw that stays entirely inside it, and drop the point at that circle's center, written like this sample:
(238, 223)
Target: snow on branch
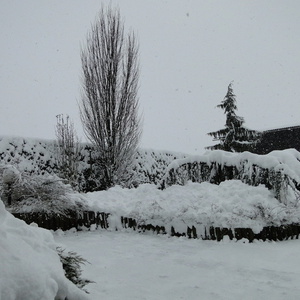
(279, 171)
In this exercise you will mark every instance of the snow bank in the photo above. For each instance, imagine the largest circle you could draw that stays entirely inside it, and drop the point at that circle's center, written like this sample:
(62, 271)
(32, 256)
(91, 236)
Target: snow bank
(30, 268)
(232, 204)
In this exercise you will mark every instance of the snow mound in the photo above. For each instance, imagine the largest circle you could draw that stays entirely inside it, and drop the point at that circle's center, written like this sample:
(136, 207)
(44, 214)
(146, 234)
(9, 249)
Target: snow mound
(232, 204)
(30, 268)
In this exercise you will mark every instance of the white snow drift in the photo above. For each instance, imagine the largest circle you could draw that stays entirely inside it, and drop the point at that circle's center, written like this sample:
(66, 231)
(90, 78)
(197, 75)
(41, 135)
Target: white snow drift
(232, 204)
(30, 268)
(125, 265)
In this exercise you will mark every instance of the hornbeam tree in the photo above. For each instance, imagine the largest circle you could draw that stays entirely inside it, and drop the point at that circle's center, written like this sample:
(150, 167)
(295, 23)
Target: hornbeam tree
(109, 103)
(234, 137)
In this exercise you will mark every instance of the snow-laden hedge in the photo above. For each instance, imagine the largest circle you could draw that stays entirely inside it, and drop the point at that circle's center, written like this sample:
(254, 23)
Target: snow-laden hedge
(279, 171)
(232, 204)
(39, 157)
(150, 165)
(30, 268)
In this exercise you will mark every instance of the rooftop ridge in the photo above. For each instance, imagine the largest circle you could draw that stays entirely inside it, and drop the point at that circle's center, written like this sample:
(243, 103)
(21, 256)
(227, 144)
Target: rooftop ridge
(283, 128)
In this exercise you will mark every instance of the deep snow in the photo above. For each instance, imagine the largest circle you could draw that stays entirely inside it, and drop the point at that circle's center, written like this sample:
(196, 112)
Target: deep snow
(30, 268)
(131, 266)
(232, 204)
(128, 265)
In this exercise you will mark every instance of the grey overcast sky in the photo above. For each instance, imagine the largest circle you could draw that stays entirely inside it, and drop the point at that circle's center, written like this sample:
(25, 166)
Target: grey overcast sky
(189, 52)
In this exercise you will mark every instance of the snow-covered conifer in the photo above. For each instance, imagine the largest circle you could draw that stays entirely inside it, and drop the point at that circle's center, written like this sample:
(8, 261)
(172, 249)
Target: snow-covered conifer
(234, 137)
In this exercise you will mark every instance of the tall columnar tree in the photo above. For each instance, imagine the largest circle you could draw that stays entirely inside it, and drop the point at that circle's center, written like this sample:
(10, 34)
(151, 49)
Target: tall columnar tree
(109, 104)
(67, 149)
(234, 137)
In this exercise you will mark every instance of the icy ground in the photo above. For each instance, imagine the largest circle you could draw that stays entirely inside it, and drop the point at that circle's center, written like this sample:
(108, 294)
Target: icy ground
(128, 265)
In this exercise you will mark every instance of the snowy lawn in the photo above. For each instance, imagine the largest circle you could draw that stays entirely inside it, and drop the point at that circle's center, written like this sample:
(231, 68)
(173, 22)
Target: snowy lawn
(128, 265)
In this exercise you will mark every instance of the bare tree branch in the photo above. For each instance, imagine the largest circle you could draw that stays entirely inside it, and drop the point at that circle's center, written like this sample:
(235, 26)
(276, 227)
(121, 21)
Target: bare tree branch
(67, 149)
(109, 104)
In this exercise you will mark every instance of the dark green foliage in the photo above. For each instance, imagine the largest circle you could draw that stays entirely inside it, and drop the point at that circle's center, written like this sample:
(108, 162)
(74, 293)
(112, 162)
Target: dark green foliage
(234, 137)
(72, 263)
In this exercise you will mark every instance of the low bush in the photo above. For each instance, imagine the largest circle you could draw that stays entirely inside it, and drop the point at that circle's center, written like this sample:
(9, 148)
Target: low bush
(72, 262)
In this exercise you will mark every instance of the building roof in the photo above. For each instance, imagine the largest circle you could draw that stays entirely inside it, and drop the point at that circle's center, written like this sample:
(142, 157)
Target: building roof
(279, 139)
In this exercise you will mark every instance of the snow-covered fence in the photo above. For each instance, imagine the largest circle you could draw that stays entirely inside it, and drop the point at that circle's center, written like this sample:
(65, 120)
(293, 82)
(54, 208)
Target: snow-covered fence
(52, 222)
(65, 222)
(101, 220)
(271, 233)
(278, 171)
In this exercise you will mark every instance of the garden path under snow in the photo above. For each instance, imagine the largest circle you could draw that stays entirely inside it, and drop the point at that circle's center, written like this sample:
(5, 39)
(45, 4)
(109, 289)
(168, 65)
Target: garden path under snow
(128, 265)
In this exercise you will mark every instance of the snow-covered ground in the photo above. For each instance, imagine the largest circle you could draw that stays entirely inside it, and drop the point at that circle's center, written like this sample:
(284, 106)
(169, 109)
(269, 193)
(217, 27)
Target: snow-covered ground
(128, 265)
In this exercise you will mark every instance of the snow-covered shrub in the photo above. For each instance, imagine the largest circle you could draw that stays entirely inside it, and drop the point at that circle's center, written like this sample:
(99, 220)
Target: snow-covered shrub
(231, 204)
(72, 262)
(11, 177)
(42, 194)
(150, 166)
(279, 171)
(38, 193)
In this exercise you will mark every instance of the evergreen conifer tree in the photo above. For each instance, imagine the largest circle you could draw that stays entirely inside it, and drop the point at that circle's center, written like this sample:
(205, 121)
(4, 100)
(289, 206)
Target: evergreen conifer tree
(234, 137)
